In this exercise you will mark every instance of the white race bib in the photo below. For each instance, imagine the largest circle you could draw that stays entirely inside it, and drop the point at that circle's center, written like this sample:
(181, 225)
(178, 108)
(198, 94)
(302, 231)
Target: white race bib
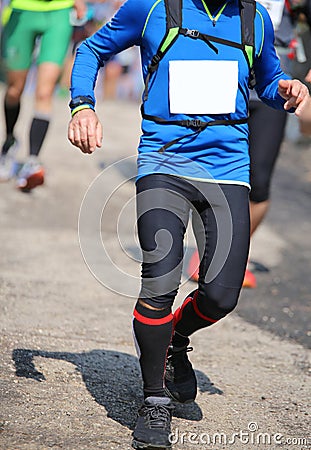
(275, 9)
(203, 87)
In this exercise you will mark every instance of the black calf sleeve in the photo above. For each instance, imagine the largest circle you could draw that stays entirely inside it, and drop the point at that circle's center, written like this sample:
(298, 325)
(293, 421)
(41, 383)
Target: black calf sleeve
(153, 332)
(188, 319)
(38, 130)
(11, 113)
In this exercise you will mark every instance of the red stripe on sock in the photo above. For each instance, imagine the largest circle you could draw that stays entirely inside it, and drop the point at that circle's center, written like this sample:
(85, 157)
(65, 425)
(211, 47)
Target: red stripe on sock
(149, 321)
(178, 312)
(196, 309)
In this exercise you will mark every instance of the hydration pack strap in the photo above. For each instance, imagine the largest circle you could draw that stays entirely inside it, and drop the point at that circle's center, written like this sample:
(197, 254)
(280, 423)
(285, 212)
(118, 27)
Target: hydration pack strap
(174, 29)
(196, 124)
(248, 13)
(173, 9)
(195, 34)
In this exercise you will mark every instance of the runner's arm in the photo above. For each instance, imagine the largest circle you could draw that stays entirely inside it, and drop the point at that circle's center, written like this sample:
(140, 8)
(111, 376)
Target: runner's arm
(123, 31)
(266, 64)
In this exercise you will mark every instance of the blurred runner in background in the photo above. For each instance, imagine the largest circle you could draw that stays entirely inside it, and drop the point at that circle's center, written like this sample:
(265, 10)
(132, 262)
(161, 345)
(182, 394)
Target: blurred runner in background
(39, 32)
(121, 77)
(267, 125)
(305, 119)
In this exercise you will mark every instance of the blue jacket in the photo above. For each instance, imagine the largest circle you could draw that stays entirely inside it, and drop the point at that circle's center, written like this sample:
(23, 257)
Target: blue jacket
(217, 153)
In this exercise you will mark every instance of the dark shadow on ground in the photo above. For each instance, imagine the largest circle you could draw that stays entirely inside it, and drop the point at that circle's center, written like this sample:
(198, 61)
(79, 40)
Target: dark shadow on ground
(112, 378)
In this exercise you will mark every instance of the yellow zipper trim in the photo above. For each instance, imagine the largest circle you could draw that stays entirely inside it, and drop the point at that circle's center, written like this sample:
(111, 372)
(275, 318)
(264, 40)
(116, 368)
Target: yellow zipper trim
(214, 19)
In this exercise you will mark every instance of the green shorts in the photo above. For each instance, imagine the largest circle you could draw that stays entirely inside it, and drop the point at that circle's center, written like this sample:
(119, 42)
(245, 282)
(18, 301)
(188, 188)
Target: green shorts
(49, 32)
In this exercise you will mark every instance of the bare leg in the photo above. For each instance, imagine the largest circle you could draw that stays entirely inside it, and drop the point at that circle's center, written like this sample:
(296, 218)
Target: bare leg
(32, 173)
(47, 77)
(257, 213)
(66, 73)
(16, 80)
(112, 74)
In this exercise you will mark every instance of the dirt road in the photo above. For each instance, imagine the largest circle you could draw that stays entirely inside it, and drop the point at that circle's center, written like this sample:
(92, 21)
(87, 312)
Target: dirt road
(69, 377)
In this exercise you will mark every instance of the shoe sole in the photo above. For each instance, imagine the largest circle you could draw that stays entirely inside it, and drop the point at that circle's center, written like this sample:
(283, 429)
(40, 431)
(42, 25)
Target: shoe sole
(142, 445)
(37, 179)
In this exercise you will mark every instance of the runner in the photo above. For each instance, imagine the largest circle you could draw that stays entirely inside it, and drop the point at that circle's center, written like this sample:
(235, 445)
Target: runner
(43, 27)
(265, 147)
(193, 155)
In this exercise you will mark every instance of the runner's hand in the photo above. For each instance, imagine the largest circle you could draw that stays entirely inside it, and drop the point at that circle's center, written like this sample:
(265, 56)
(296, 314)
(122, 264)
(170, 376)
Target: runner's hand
(80, 7)
(295, 93)
(308, 77)
(85, 131)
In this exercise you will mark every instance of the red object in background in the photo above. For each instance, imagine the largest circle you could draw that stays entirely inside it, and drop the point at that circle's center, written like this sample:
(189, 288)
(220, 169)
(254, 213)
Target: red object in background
(193, 266)
(292, 46)
(193, 272)
(249, 280)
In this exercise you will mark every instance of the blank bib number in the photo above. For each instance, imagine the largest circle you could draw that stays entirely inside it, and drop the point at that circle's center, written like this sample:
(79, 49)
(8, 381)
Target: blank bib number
(203, 87)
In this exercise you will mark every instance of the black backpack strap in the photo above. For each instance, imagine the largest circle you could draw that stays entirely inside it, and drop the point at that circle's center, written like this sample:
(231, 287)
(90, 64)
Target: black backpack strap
(248, 13)
(173, 9)
(195, 34)
(174, 28)
(194, 124)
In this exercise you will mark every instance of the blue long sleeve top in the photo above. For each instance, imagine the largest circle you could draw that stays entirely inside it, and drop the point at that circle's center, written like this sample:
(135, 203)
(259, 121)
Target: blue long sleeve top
(218, 153)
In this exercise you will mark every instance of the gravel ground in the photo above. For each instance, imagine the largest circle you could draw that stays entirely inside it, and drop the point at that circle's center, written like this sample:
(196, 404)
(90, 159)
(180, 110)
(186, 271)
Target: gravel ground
(69, 377)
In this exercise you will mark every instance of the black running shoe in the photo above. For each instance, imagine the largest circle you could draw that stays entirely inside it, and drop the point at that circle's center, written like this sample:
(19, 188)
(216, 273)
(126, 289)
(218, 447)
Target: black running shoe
(8, 163)
(180, 379)
(153, 427)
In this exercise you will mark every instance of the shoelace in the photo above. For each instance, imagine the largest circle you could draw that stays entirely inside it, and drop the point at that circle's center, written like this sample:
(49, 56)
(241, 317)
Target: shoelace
(188, 349)
(157, 416)
(180, 352)
(180, 358)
